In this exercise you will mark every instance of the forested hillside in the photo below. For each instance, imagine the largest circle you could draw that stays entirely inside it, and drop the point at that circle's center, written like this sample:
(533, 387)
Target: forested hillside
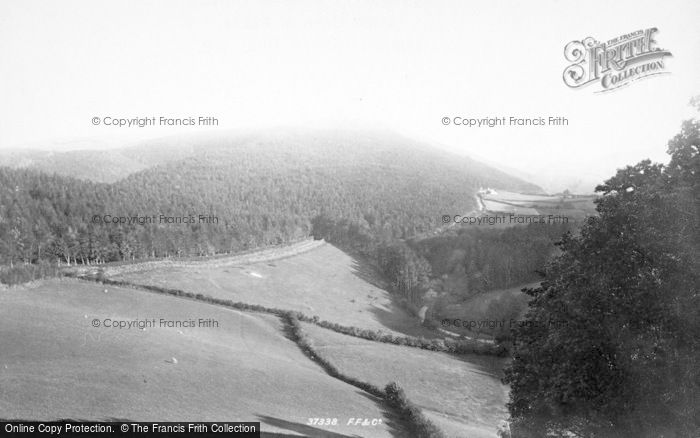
(458, 265)
(488, 259)
(236, 193)
(98, 166)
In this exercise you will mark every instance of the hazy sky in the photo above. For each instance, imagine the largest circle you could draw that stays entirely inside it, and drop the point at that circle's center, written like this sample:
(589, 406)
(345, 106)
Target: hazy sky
(403, 65)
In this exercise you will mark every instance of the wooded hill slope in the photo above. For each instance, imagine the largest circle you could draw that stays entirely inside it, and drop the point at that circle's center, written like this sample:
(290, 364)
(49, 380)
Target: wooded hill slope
(261, 188)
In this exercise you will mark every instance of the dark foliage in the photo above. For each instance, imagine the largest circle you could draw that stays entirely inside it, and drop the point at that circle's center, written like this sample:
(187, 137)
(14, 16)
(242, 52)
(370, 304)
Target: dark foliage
(492, 258)
(612, 344)
(421, 427)
(23, 273)
(262, 190)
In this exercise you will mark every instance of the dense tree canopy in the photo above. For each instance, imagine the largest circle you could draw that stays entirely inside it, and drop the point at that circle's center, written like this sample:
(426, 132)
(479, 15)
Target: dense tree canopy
(492, 258)
(262, 190)
(610, 344)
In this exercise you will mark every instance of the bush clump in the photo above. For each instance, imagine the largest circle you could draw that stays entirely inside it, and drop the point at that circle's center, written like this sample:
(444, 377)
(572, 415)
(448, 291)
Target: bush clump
(420, 426)
(25, 273)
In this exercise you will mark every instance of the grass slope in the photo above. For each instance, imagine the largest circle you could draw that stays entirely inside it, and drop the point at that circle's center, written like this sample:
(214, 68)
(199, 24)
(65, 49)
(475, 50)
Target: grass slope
(323, 281)
(462, 396)
(54, 364)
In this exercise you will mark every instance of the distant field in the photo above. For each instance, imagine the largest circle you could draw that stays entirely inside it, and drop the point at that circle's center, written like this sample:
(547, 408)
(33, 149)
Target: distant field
(322, 281)
(54, 364)
(499, 207)
(461, 395)
(505, 195)
(576, 207)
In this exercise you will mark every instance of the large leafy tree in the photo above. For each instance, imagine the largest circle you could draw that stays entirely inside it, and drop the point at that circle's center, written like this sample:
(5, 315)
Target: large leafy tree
(609, 346)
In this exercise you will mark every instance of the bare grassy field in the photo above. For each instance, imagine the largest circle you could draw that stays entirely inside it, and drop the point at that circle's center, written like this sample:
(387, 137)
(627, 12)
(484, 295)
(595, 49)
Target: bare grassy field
(504, 195)
(55, 364)
(504, 202)
(461, 395)
(322, 281)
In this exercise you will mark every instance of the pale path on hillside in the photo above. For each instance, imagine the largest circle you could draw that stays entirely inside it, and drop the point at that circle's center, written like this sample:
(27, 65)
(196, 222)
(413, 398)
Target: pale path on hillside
(256, 256)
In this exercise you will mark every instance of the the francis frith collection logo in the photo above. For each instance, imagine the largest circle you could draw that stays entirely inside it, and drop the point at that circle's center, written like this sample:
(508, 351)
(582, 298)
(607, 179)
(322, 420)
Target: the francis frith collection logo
(614, 63)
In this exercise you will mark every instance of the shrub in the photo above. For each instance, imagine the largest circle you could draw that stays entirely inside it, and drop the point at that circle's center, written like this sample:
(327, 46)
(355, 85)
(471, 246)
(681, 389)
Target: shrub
(19, 274)
(420, 426)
